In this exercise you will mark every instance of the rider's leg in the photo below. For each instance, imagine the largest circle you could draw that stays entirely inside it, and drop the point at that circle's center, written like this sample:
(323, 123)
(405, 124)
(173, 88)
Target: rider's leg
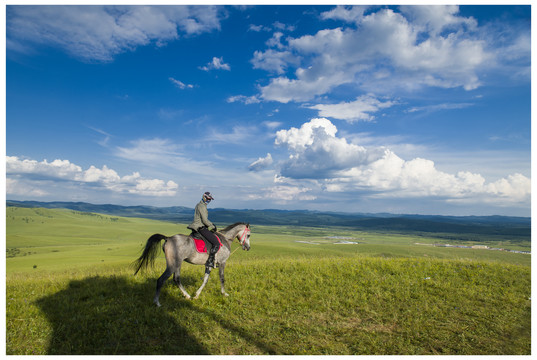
(211, 237)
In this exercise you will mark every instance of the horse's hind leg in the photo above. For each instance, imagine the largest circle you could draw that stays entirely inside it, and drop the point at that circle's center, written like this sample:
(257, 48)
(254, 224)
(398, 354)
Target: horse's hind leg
(177, 280)
(161, 280)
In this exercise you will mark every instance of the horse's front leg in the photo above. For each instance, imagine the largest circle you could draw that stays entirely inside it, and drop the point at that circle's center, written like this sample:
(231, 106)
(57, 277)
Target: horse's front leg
(205, 279)
(222, 280)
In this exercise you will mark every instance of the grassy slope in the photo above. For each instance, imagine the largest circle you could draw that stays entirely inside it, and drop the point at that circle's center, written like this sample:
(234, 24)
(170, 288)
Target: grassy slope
(382, 296)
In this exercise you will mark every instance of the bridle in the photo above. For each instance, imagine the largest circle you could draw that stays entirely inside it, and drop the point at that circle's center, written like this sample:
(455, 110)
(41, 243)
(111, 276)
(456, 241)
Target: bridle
(243, 237)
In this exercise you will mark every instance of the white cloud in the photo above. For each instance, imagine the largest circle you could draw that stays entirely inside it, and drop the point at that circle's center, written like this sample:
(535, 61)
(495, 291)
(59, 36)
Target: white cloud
(261, 163)
(305, 87)
(104, 175)
(349, 14)
(358, 110)
(435, 18)
(515, 186)
(160, 153)
(272, 124)
(258, 28)
(238, 135)
(181, 85)
(57, 168)
(244, 99)
(317, 153)
(282, 194)
(26, 177)
(274, 61)
(194, 165)
(154, 187)
(107, 136)
(298, 139)
(148, 150)
(437, 107)
(275, 40)
(216, 64)
(17, 187)
(283, 27)
(382, 51)
(98, 33)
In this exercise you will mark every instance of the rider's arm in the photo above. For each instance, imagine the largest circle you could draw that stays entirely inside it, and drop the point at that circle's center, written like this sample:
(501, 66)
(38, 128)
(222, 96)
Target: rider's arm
(204, 215)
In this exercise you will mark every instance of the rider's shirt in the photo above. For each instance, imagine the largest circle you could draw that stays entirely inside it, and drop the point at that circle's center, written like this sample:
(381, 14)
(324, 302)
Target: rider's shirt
(201, 217)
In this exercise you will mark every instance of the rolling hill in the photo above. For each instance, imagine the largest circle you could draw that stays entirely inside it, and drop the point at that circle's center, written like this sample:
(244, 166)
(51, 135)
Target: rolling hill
(504, 226)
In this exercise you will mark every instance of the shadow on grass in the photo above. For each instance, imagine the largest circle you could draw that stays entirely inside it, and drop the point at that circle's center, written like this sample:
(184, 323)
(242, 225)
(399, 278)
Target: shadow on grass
(110, 315)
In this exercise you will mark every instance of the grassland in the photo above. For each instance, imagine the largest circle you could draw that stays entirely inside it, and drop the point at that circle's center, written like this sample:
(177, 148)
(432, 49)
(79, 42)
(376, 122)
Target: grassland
(70, 290)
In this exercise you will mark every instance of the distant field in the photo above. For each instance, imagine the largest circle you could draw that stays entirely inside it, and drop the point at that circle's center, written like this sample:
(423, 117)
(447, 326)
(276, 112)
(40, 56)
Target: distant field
(70, 290)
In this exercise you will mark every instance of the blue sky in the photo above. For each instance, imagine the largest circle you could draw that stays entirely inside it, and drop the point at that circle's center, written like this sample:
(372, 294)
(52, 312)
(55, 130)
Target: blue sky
(402, 109)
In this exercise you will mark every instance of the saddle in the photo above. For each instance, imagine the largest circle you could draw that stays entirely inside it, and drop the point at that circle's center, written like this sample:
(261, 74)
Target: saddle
(202, 245)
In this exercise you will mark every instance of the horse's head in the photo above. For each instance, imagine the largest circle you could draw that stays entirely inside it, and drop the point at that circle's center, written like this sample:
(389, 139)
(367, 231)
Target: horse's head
(244, 237)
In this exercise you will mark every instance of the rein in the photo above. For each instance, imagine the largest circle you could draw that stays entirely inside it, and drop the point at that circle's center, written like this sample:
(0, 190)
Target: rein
(234, 251)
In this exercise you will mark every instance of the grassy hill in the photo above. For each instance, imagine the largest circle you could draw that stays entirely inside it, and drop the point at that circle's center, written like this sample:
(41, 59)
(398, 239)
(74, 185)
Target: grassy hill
(300, 290)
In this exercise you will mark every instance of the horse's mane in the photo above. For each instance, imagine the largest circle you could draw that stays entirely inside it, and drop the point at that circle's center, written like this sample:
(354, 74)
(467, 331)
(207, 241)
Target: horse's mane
(233, 225)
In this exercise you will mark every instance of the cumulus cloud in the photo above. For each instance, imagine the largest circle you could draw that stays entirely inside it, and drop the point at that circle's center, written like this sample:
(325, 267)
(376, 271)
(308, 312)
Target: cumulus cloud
(316, 152)
(98, 33)
(395, 177)
(381, 51)
(216, 64)
(26, 175)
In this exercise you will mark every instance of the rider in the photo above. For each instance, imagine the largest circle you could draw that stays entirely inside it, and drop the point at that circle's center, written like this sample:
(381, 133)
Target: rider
(202, 225)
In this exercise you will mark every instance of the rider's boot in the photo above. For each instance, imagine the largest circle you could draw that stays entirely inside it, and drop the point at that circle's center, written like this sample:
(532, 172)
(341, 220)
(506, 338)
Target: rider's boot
(210, 260)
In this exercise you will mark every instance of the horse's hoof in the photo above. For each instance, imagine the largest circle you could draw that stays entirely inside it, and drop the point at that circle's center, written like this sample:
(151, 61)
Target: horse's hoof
(225, 294)
(158, 304)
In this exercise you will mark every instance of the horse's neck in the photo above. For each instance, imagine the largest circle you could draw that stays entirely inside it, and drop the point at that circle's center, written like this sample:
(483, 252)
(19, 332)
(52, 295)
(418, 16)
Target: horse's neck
(232, 233)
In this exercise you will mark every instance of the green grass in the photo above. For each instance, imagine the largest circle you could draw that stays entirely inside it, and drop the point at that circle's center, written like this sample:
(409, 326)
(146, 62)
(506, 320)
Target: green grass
(381, 296)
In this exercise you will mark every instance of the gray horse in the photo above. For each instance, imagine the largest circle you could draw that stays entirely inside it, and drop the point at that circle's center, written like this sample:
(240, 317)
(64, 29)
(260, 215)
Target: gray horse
(179, 248)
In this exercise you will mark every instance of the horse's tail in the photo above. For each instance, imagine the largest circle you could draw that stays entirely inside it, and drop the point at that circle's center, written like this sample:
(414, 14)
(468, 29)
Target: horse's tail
(150, 252)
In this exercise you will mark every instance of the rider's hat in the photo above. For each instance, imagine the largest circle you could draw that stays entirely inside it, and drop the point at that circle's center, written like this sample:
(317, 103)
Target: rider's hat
(207, 196)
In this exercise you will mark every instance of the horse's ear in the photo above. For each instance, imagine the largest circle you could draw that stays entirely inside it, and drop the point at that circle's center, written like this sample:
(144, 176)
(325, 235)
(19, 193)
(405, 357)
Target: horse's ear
(248, 225)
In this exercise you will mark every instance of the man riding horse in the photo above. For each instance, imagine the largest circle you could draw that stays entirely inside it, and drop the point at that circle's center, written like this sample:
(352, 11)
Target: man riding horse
(202, 225)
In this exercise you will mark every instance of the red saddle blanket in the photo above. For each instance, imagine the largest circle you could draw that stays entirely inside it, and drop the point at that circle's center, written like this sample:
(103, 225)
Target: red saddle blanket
(200, 244)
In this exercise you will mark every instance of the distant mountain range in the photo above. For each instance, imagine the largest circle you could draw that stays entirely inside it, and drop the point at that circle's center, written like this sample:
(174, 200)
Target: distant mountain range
(517, 227)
